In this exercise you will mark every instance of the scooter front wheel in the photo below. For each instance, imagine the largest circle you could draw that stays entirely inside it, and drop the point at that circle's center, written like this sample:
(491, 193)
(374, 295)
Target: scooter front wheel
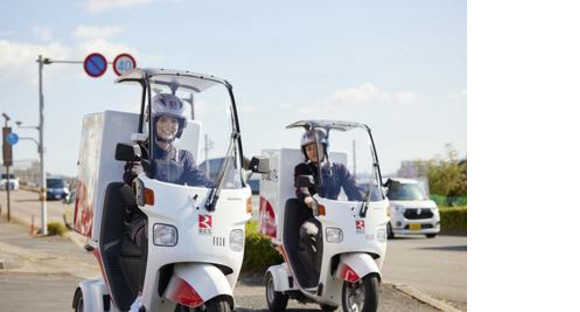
(361, 296)
(276, 300)
(217, 304)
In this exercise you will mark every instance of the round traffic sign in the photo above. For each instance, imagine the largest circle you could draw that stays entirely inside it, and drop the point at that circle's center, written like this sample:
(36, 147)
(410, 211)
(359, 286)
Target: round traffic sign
(123, 64)
(12, 138)
(95, 65)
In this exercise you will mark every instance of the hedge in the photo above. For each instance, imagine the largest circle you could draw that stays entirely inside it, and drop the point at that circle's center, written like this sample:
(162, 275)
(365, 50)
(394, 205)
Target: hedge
(453, 220)
(449, 200)
(259, 253)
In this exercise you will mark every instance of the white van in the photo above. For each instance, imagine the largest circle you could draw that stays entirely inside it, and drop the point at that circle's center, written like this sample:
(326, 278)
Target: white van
(12, 182)
(411, 211)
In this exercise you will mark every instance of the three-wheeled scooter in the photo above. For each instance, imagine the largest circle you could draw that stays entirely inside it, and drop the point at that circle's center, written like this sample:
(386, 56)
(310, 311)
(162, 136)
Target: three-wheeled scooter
(195, 233)
(352, 236)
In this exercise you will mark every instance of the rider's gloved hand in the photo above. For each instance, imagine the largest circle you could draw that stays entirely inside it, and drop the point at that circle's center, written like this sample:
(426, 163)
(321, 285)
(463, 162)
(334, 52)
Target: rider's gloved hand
(132, 170)
(310, 202)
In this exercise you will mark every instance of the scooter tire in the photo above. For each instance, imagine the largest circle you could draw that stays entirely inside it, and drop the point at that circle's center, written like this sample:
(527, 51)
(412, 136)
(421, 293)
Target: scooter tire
(368, 286)
(276, 300)
(218, 304)
(78, 301)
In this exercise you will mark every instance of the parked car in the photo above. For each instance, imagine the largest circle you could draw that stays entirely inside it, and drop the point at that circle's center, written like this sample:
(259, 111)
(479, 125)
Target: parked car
(13, 182)
(56, 188)
(411, 211)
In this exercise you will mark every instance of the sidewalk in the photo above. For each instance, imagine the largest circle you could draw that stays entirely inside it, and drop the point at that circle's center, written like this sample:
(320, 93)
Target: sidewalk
(20, 252)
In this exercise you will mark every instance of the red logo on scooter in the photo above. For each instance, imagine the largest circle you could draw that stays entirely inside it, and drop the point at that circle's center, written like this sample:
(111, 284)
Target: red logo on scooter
(204, 224)
(360, 226)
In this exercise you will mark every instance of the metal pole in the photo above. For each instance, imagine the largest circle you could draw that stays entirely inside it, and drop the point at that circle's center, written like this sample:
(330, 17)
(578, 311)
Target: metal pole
(354, 158)
(191, 102)
(43, 226)
(206, 154)
(7, 173)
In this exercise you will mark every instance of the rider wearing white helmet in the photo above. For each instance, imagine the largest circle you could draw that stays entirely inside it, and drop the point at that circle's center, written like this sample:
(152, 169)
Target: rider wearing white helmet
(334, 177)
(169, 164)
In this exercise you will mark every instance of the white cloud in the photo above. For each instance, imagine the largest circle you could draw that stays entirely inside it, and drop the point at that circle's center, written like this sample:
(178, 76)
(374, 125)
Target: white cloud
(287, 105)
(361, 97)
(459, 95)
(17, 60)
(90, 32)
(43, 33)
(249, 108)
(98, 6)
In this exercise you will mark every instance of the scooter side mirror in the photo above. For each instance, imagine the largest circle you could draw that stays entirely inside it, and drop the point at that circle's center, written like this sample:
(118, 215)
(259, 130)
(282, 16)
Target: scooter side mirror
(127, 152)
(259, 164)
(305, 181)
(392, 184)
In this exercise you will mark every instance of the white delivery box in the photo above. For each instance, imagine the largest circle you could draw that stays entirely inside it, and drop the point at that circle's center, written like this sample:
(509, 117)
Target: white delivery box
(97, 167)
(278, 186)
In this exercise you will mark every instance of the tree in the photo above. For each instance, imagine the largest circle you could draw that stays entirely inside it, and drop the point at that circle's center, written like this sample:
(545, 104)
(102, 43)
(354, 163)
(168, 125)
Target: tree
(447, 175)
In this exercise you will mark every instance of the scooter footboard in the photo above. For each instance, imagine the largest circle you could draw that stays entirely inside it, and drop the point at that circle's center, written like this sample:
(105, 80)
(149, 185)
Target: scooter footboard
(193, 284)
(353, 267)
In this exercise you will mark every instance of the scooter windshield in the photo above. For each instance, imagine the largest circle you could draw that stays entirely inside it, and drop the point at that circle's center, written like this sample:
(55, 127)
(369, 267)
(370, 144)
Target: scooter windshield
(193, 141)
(349, 171)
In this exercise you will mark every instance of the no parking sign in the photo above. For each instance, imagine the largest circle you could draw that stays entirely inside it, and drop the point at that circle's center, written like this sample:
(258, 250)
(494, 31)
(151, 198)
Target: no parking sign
(95, 65)
(123, 64)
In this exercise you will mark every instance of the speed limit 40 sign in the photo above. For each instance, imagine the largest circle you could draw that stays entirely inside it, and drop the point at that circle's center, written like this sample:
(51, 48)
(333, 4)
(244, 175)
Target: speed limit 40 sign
(123, 64)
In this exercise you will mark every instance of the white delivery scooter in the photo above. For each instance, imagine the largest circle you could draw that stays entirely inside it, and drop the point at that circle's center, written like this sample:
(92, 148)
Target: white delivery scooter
(352, 237)
(195, 233)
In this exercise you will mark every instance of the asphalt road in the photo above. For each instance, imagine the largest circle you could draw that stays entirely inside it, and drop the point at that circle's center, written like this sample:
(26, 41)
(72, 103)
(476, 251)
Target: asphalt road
(437, 267)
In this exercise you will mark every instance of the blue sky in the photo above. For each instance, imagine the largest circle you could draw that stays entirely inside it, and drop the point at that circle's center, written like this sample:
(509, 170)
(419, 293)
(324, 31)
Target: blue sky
(398, 66)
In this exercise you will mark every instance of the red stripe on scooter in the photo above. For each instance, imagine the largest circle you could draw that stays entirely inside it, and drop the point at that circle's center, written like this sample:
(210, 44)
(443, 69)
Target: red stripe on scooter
(348, 274)
(185, 294)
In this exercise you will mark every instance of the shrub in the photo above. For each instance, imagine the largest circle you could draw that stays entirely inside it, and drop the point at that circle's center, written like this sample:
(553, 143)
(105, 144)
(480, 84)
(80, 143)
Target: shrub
(56, 228)
(259, 253)
(453, 220)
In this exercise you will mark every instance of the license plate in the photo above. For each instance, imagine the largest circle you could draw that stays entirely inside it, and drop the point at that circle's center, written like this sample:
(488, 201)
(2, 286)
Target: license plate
(415, 227)
(57, 196)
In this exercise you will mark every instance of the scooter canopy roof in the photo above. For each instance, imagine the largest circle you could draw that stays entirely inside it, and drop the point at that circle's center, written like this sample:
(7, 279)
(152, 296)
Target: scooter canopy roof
(327, 124)
(173, 79)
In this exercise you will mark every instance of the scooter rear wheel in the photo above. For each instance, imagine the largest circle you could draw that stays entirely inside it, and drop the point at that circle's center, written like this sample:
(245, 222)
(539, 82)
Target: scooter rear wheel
(361, 296)
(276, 300)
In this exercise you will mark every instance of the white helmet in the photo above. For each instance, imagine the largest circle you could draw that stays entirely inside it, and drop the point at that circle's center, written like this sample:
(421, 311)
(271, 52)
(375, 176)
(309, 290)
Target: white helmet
(166, 104)
(308, 137)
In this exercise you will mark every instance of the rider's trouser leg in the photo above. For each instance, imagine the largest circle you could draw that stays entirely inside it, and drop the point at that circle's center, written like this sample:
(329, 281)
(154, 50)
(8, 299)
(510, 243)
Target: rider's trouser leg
(309, 242)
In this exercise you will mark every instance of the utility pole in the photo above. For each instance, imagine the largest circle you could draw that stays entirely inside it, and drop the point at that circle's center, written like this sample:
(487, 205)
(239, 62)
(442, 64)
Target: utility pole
(43, 227)
(7, 159)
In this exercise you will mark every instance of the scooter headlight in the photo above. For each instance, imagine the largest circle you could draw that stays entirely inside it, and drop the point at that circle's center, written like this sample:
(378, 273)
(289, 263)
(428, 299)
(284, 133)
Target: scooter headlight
(381, 235)
(333, 235)
(164, 235)
(237, 240)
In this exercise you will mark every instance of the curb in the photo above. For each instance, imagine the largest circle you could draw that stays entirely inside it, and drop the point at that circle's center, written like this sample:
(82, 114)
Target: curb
(421, 296)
